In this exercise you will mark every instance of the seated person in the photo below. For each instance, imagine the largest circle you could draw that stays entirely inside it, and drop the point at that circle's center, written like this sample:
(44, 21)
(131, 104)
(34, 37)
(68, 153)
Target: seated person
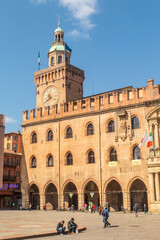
(72, 226)
(60, 227)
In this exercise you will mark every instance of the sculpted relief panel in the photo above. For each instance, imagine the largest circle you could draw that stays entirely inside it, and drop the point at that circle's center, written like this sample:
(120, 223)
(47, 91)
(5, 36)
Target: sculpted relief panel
(123, 122)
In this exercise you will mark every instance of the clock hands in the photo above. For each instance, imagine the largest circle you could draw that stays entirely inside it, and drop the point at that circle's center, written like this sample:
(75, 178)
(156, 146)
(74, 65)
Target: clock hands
(49, 97)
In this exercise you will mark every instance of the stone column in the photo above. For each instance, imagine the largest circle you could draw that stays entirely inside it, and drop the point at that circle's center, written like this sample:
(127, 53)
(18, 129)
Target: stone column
(42, 201)
(156, 135)
(103, 200)
(126, 201)
(130, 124)
(116, 126)
(80, 200)
(25, 201)
(157, 186)
(61, 201)
(151, 186)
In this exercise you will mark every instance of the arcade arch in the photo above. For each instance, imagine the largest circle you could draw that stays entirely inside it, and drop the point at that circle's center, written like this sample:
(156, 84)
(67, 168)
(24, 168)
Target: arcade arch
(138, 194)
(91, 193)
(70, 195)
(114, 195)
(34, 197)
(51, 195)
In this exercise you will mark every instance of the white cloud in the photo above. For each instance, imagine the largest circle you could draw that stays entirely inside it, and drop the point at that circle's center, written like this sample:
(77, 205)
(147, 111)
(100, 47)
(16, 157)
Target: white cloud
(78, 34)
(10, 120)
(81, 10)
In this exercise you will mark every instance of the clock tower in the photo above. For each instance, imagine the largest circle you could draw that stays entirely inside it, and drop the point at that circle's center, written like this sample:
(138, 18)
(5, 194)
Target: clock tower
(60, 82)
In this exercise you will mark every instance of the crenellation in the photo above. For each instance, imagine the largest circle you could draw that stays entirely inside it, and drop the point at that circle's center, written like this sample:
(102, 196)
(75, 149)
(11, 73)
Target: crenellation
(39, 112)
(32, 114)
(46, 111)
(79, 105)
(103, 101)
(25, 115)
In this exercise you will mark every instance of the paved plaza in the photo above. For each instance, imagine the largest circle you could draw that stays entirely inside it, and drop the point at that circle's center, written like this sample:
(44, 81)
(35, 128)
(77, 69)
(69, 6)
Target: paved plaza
(123, 226)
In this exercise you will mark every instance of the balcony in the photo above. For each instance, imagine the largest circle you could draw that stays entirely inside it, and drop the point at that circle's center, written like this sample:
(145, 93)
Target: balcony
(9, 178)
(9, 165)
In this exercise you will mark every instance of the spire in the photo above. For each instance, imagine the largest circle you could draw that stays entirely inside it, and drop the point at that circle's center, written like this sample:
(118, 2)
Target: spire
(58, 23)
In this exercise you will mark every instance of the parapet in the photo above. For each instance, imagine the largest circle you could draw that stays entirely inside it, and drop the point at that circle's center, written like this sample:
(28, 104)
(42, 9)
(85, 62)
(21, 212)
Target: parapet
(100, 102)
(2, 120)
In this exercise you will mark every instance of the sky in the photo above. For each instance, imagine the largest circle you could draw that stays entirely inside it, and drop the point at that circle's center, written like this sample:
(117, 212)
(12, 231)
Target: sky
(116, 43)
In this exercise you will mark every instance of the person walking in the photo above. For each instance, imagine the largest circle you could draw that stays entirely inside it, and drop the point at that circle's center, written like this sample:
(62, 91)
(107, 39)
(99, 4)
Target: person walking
(99, 209)
(60, 227)
(94, 208)
(105, 218)
(135, 209)
(145, 209)
(72, 226)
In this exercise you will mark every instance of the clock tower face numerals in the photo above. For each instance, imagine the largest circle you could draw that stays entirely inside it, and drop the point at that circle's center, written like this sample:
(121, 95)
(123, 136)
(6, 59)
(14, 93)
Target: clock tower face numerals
(50, 96)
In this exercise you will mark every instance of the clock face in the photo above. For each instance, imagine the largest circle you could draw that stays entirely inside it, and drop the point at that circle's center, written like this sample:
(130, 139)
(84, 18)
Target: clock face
(50, 96)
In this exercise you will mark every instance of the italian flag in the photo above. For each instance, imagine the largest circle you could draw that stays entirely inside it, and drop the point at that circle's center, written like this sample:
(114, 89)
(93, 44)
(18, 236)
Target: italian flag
(39, 59)
(144, 140)
(150, 140)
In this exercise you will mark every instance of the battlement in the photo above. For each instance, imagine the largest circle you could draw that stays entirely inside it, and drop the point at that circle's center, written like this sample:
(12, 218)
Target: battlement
(2, 120)
(100, 102)
(57, 72)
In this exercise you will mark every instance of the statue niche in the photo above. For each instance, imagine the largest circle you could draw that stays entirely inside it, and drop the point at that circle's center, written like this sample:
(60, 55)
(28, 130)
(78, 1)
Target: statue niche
(123, 129)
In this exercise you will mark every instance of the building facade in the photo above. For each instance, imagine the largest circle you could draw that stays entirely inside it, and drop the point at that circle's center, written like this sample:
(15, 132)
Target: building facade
(2, 130)
(10, 193)
(78, 150)
(13, 141)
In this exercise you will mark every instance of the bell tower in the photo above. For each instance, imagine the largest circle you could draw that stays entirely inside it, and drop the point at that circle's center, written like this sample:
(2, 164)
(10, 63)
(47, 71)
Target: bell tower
(61, 82)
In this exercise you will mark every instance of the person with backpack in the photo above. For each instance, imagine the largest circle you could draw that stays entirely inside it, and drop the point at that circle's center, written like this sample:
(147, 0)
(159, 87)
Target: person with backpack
(135, 209)
(105, 215)
(60, 227)
(72, 226)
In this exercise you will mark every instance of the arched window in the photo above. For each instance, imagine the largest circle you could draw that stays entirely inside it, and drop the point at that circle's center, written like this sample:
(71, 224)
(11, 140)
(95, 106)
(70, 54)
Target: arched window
(52, 60)
(91, 157)
(34, 138)
(136, 153)
(34, 162)
(90, 129)
(135, 123)
(69, 132)
(50, 161)
(111, 126)
(50, 135)
(113, 154)
(69, 159)
(59, 59)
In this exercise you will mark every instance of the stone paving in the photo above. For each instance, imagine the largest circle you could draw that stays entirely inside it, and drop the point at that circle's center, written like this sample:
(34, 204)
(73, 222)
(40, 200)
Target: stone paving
(123, 226)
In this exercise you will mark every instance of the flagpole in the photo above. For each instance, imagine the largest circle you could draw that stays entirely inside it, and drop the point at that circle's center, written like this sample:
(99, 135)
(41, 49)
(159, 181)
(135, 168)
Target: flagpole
(39, 61)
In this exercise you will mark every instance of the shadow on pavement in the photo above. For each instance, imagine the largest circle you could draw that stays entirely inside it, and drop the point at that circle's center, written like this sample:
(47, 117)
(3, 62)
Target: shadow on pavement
(114, 226)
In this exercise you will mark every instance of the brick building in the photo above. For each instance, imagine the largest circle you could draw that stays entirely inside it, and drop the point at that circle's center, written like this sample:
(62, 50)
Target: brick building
(2, 130)
(10, 193)
(78, 150)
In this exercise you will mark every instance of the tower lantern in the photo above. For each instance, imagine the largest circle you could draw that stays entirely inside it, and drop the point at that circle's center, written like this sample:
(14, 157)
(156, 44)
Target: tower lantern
(59, 52)
(59, 34)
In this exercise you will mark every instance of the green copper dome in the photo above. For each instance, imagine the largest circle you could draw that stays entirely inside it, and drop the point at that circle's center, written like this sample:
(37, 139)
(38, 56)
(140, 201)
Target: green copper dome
(59, 29)
(59, 48)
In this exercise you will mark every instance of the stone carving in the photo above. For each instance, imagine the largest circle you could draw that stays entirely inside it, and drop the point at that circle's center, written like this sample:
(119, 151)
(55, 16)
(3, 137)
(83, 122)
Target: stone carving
(123, 129)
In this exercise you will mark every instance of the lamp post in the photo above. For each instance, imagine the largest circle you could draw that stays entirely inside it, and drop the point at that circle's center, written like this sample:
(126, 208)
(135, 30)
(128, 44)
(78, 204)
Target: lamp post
(92, 194)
